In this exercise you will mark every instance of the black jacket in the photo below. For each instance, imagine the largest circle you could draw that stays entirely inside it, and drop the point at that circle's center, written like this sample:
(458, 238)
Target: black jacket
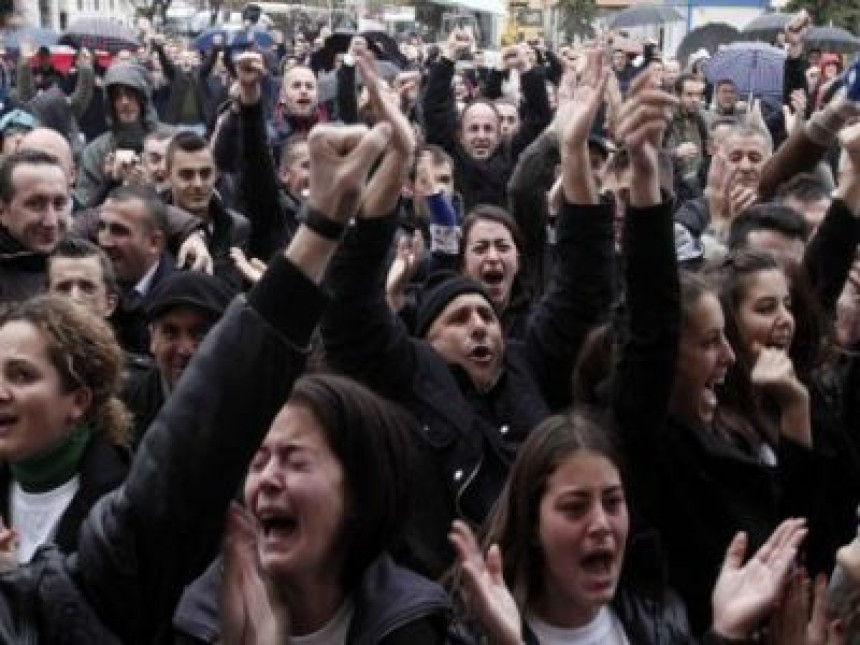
(142, 544)
(143, 394)
(102, 469)
(129, 319)
(226, 228)
(484, 181)
(392, 606)
(469, 439)
(22, 272)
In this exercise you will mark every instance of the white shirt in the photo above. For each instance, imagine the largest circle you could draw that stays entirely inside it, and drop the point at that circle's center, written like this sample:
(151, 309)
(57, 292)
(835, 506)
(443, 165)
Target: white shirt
(605, 629)
(142, 287)
(333, 632)
(35, 516)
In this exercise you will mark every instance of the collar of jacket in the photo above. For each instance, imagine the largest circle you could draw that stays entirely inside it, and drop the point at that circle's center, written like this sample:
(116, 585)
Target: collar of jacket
(390, 597)
(11, 250)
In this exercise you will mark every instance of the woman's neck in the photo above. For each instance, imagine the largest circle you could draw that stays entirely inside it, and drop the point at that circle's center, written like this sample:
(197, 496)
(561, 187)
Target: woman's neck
(311, 603)
(555, 609)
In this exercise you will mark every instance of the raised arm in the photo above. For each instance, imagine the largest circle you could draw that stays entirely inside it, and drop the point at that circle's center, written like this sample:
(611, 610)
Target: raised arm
(79, 100)
(645, 367)
(527, 195)
(440, 108)
(167, 65)
(142, 544)
(363, 338)
(536, 112)
(258, 181)
(580, 290)
(346, 95)
(831, 252)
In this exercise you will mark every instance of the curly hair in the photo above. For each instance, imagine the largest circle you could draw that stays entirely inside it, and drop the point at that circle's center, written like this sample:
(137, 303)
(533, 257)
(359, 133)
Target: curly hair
(83, 350)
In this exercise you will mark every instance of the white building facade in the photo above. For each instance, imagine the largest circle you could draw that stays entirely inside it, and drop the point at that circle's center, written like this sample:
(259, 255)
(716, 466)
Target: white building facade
(58, 14)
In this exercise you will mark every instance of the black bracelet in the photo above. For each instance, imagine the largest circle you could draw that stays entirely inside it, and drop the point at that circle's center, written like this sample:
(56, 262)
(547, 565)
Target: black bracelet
(322, 225)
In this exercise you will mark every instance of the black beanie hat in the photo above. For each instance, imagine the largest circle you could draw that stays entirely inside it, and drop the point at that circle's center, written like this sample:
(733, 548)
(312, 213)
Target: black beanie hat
(440, 289)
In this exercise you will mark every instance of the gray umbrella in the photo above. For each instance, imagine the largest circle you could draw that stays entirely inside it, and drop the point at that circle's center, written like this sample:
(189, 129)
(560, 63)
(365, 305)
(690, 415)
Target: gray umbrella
(767, 26)
(644, 14)
(833, 39)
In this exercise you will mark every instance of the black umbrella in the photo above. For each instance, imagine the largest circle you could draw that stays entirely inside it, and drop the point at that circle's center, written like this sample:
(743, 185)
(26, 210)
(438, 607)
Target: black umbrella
(644, 14)
(708, 37)
(833, 39)
(381, 44)
(767, 26)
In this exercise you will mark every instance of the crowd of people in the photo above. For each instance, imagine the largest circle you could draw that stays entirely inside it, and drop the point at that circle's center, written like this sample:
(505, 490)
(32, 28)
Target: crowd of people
(417, 346)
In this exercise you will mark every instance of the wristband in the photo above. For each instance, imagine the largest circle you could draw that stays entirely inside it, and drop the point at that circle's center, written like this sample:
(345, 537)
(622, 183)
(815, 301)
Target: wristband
(322, 225)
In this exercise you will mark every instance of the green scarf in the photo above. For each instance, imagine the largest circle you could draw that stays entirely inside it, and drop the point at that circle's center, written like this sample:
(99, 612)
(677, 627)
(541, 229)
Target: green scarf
(54, 466)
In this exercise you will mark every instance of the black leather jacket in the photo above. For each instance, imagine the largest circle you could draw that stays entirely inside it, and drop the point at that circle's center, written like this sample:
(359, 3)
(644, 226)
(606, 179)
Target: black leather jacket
(142, 544)
(393, 605)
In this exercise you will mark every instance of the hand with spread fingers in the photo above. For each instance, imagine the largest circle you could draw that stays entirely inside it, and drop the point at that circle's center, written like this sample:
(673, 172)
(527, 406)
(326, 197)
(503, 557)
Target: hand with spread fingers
(643, 120)
(484, 588)
(746, 593)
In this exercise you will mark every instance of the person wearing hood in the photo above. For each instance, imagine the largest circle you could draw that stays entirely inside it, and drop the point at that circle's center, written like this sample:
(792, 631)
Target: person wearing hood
(131, 117)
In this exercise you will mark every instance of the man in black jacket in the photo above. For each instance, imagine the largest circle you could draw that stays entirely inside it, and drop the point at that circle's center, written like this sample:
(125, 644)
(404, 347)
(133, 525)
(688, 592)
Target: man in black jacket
(475, 395)
(192, 176)
(483, 164)
(34, 202)
(181, 312)
(133, 233)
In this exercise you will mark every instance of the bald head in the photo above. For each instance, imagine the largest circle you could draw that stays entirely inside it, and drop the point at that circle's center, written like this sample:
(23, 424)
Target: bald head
(53, 143)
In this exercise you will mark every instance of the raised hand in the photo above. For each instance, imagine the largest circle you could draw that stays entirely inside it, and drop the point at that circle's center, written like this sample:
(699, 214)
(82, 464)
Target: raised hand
(484, 588)
(341, 159)
(796, 31)
(383, 191)
(643, 120)
(746, 594)
(410, 250)
(578, 106)
(358, 46)
(459, 42)
(249, 75)
(250, 612)
(386, 107)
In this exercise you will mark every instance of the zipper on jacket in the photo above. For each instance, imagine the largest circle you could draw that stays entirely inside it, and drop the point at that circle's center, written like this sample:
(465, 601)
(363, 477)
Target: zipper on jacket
(466, 483)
